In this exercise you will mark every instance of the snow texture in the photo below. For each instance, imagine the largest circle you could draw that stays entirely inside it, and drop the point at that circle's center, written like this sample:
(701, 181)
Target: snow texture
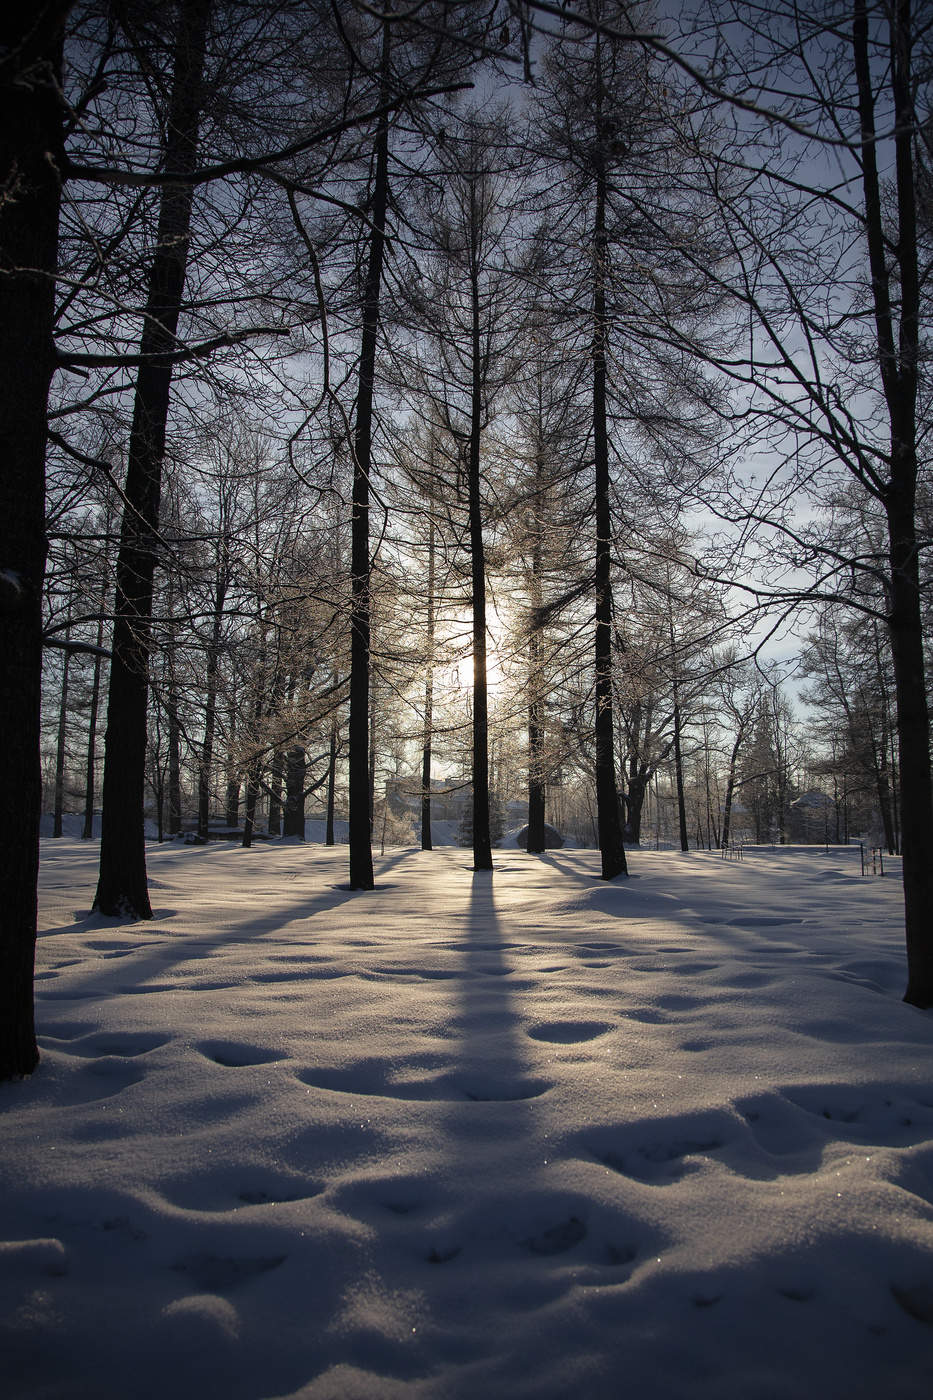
(524, 1135)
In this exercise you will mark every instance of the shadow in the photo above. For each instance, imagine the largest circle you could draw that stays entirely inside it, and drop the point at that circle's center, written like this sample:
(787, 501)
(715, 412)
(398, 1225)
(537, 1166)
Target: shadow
(492, 1064)
(150, 948)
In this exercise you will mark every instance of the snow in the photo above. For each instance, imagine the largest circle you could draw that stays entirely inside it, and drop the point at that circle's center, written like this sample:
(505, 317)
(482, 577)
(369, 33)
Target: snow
(522, 1135)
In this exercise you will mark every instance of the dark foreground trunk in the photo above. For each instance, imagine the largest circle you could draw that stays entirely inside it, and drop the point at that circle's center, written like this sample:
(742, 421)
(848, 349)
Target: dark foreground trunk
(122, 886)
(30, 158)
(358, 774)
(609, 826)
(295, 769)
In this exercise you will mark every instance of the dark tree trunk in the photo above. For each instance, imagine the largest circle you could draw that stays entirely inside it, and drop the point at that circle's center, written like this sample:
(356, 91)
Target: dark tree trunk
(61, 746)
(174, 743)
(254, 768)
(898, 357)
(232, 805)
(679, 780)
(360, 825)
(276, 774)
(882, 750)
(636, 788)
(90, 767)
(428, 729)
(252, 793)
(371, 767)
(331, 785)
(159, 790)
(482, 844)
(31, 159)
(611, 849)
(730, 789)
(295, 769)
(122, 887)
(536, 776)
(210, 701)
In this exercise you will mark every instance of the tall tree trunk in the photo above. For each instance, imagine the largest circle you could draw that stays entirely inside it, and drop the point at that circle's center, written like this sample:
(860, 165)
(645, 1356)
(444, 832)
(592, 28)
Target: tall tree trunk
(90, 766)
(276, 774)
(295, 769)
(679, 779)
(883, 777)
(611, 849)
(637, 787)
(482, 845)
(249, 809)
(371, 765)
(210, 682)
(360, 834)
(174, 747)
(331, 783)
(898, 358)
(428, 728)
(254, 767)
(31, 162)
(730, 788)
(122, 886)
(536, 777)
(60, 746)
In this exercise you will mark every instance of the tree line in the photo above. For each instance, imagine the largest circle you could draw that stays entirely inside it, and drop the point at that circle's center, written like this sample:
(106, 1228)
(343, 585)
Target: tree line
(350, 344)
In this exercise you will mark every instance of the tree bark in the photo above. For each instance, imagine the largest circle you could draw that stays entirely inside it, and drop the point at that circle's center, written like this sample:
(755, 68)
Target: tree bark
(482, 845)
(60, 747)
(276, 773)
(609, 827)
(679, 779)
(174, 742)
(210, 704)
(898, 358)
(331, 784)
(428, 728)
(122, 886)
(536, 778)
(90, 767)
(360, 833)
(295, 769)
(31, 161)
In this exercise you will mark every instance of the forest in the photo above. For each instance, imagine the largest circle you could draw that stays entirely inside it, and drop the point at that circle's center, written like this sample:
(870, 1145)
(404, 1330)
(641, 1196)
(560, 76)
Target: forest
(434, 418)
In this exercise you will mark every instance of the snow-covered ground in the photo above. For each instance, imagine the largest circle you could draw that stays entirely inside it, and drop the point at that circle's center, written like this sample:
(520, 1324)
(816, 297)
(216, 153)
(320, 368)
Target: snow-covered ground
(525, 1135)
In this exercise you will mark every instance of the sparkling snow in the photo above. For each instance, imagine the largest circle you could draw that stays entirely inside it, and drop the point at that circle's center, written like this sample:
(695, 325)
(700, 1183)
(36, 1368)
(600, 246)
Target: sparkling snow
(521, 1135)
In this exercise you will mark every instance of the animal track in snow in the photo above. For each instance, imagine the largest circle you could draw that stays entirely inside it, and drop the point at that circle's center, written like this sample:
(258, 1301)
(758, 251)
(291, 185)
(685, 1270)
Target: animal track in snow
(663, 1158)
(214, 1273)
(860, 1118)
(387, 1079)
(916, 1300)
(765, 921)
(619, 1255)
(557, 1239)
(443, 1255)
(740, 980)
(129, 1044)
(234, 1054)
(568, 1032)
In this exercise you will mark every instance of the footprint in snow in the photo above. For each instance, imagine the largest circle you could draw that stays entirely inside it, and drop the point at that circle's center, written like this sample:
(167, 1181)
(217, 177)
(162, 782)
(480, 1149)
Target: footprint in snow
(568, 1032)
(916, 1300)
(620, 1255)
(443, 1255)
(214, 1273)
(558, 1238)
(237, 1055)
